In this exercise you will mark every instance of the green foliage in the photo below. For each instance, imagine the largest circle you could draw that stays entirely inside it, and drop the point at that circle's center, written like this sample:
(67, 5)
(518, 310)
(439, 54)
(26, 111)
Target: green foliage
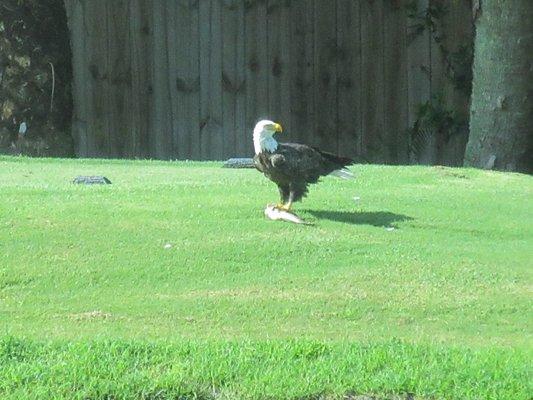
(459, 67)
(458, 62)
(434, 120)
(421, 286)
(35, 78)
(426, 19)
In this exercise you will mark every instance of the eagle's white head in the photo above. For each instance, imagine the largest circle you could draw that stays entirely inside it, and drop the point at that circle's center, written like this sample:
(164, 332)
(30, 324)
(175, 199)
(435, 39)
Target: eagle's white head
(263, 136)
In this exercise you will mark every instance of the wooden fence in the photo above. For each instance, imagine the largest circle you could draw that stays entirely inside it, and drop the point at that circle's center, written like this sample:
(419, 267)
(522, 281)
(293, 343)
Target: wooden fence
(187, 79)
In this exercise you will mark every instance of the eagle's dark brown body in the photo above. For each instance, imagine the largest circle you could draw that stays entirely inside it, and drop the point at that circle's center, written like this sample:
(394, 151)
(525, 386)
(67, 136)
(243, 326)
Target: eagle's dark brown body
(294, 166)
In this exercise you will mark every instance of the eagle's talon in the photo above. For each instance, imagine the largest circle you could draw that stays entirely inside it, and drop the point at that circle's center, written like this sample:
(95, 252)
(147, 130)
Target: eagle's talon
(284, 207)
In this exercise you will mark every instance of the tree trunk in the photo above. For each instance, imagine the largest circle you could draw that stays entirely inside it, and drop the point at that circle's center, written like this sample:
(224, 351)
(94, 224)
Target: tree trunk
(501, 114)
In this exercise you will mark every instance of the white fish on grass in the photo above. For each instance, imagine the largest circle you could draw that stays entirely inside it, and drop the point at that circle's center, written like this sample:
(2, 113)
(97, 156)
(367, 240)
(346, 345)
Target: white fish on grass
(274, 213)
(343, 173)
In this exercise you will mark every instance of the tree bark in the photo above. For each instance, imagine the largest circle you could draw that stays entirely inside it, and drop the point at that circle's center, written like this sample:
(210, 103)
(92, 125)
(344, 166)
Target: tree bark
(501, 114)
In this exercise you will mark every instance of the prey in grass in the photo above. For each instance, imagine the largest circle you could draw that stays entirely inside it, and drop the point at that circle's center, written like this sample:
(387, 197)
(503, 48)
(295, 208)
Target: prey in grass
(276, 213)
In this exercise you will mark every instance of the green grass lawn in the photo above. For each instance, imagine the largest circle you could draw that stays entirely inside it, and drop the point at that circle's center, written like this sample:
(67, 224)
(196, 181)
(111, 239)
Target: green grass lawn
(170, 282)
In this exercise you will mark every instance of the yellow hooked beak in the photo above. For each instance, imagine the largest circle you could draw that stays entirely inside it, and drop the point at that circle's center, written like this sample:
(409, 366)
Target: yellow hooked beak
(278, 128)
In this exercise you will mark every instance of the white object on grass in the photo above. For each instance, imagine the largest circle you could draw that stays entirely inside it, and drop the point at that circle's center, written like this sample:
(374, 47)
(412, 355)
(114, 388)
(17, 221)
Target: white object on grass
(275, 213)
(343, 174)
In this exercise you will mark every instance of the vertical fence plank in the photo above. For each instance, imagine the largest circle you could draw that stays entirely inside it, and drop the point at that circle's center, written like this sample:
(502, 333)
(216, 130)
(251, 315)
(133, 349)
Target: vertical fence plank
(262, 57)
(230, 83)
(251, 64)
(216, 133)
(174, 52)
(147, 31)
(140, 80)
(457, 29)
(161, 136)
(437, 76)
(326, 75)
(419, 85)
(187, 82)
(302, 71)
(372, 80)
(98, 72)
(286, 59)
(210, 80)
(349, 78)
(107, 91)
(120, 78)
(243, 141)
(205, 70)
(81, 90)
(395, 84)
(181, 83)
(256, 64)
(187, 79)
(279, 62)
(274, 60)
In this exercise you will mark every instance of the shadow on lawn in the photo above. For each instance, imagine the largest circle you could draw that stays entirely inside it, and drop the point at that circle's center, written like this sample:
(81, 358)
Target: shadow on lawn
(378, 218)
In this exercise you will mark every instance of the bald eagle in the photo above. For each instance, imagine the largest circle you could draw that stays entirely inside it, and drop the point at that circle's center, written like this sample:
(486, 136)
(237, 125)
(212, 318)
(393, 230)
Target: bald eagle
(293, 166)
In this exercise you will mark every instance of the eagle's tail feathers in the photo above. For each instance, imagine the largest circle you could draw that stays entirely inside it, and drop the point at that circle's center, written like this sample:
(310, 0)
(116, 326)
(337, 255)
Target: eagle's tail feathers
(343, 173)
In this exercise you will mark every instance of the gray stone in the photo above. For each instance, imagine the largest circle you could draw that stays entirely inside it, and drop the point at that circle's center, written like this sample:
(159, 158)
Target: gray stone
(91, 180)
(239, 163)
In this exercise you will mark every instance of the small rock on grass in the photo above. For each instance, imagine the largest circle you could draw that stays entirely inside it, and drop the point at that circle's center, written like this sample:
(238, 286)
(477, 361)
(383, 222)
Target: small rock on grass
(239, 163)
(91, 180)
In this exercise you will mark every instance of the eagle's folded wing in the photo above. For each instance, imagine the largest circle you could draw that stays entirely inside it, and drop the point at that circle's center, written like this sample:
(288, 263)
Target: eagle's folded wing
(278, 160)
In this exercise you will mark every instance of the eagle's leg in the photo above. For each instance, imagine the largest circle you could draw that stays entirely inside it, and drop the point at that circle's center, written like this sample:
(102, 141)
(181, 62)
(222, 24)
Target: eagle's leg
(288, 205)
(287, 202)
(284, 194)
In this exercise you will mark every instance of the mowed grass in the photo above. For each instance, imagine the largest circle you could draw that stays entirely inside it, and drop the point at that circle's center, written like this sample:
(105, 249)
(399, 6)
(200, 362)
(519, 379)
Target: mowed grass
(170, 282)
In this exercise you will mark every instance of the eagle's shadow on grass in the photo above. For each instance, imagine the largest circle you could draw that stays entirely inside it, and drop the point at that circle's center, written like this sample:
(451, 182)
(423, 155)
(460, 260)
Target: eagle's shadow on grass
(374, 218)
